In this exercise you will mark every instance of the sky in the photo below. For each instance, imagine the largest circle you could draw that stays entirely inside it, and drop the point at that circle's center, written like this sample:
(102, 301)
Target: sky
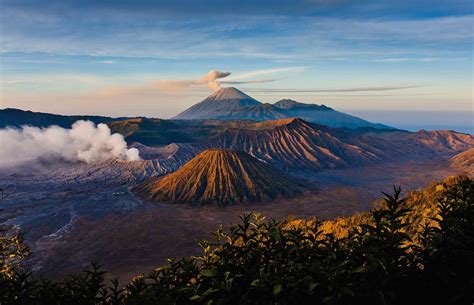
(407, 64)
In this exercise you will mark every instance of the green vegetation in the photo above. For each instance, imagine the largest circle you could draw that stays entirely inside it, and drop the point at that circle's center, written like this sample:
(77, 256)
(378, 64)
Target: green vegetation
(399, 254)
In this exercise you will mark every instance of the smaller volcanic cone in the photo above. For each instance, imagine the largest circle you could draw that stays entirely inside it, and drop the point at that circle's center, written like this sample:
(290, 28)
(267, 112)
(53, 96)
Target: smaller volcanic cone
(220, 176)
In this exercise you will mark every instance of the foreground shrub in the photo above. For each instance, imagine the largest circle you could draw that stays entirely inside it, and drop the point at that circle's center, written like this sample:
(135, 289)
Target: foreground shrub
(381, 260)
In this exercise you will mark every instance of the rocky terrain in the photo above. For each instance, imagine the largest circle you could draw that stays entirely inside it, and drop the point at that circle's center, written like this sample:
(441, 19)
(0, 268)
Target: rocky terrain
(294, 144)
(464, 161)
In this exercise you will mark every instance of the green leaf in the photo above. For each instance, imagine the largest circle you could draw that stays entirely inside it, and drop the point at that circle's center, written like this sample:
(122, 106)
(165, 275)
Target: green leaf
(277, 289)
(312, 286)
(209, 291)
(228, 283)
(209, 272)
(359, 269)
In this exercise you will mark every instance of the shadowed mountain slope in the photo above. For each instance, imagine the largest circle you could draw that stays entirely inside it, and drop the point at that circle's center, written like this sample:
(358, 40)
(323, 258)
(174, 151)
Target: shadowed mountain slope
(155, 132)
(219, 176)
(151, 131)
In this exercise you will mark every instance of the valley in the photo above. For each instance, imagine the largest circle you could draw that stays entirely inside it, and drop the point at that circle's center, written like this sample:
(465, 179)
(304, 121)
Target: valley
(74, 218)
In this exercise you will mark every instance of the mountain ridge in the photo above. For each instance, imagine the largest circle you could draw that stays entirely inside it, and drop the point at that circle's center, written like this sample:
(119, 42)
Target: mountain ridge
(13, 117)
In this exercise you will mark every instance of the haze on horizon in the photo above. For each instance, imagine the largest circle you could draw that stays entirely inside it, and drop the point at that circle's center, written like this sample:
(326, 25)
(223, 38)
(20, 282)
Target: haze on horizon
(407, 65)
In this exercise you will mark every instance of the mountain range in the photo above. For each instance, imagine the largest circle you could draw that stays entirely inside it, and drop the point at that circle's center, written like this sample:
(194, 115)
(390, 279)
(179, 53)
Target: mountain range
(294, 145)
(232, 104)
(250, 141)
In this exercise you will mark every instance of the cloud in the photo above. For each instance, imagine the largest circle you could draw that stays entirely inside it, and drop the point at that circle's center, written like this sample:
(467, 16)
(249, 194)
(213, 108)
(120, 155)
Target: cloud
(261, 72)
(236, 79)
(406, 59)
(83, 142)
(257, 81)
(358, 89)
(261, 36)
(209, 8)
(108, 62)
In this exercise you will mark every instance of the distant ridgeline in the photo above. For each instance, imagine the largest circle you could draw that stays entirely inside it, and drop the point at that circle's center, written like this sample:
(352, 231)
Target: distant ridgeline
(413, 250)
(16, 118)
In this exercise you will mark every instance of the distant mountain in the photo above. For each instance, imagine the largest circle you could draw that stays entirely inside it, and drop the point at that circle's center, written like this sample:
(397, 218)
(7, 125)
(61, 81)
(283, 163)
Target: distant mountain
(443, 139)
(434, 141)
(16, 118)
(323, 115)
(219, 176)
(216, 105)
(232, 104)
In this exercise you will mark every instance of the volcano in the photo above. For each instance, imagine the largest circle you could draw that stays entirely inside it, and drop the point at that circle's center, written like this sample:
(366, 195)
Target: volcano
(217, 105)
(220, 176)
(233, 104)
(294, 144)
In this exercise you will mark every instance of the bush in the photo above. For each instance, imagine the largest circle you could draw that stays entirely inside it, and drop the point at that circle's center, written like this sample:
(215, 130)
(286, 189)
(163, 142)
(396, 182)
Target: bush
(381, 260)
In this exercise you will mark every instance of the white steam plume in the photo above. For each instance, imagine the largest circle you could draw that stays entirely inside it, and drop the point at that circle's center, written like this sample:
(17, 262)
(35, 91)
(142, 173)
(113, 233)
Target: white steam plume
(83, 142)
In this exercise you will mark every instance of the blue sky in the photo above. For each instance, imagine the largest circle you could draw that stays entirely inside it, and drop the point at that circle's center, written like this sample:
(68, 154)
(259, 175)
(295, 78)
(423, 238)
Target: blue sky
(405, 64)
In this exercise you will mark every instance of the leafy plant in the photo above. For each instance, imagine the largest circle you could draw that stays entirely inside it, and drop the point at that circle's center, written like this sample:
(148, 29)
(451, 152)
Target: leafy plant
(383, 258)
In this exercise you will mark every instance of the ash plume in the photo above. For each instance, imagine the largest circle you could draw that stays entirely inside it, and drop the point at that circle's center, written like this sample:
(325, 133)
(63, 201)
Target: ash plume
(83, 142)
(211, 79)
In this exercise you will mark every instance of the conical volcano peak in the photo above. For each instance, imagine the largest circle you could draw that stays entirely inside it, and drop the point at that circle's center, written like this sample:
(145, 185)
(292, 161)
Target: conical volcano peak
(219, 105)
(229, 93)
(220, 176)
